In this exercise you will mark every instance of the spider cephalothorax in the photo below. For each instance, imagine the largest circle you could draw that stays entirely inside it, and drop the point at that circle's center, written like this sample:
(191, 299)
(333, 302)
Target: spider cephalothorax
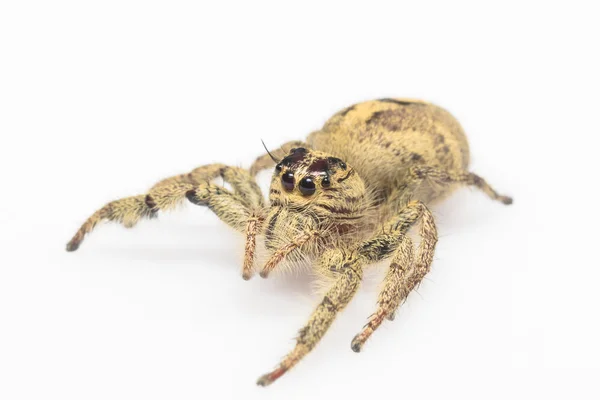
(316, 201)
(341, 201)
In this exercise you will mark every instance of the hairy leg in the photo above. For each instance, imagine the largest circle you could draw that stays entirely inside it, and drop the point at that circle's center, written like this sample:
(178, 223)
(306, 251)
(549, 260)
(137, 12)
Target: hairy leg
(395, 289)
(241, 210)
(249, 192)
(265, 161)
(406, 270)
(347, 272)
(442, 177)
(242, 182)
(231, 209)
(439, 178)
(286, 249)
(169, 193)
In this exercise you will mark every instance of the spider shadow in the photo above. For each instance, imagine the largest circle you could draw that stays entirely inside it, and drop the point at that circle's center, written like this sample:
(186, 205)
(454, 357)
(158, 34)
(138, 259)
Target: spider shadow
(173, 243)
(166, 243)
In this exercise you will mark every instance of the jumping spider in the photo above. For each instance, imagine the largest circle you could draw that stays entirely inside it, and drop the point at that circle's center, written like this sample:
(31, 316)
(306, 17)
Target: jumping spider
(344, 199)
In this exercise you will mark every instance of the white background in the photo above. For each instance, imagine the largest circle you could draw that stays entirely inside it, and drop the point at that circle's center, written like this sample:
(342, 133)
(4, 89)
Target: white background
(98, 100)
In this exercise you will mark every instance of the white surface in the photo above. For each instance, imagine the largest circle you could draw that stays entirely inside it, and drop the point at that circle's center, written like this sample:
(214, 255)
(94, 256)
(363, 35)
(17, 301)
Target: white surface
(99, 101)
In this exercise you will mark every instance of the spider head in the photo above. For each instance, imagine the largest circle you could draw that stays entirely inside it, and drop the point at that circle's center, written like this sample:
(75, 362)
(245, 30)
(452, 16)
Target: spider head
(307, 178)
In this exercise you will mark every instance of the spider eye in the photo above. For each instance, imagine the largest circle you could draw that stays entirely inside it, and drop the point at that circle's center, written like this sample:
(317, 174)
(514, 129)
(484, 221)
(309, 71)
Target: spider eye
(325, 182)
(278, 167)
(287, 180)
(307, 186)
(338, 162)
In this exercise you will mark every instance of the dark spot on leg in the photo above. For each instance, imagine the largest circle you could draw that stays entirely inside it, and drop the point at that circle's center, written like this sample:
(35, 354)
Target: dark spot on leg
(150, 202)
(328, 304)
(191, 196)
(302, 335)
(477, 180)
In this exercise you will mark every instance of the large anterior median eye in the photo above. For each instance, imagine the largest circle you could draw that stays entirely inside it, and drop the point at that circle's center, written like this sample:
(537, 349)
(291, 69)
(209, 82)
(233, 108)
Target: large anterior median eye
(307, 186)
(287, 181)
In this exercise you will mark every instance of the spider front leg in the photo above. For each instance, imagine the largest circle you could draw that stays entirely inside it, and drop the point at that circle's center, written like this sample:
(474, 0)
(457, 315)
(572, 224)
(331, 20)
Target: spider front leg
(232, 210)
(243, 210)
(406, 270)
(347, 272)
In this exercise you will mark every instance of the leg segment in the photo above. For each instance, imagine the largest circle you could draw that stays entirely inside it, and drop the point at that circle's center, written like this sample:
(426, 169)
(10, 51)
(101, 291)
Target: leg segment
(265, 161)
(442, 177)
(395, 288)
(229, 207)
(233, 210)
(170, 192)
(438, 179)
(242, 182)
(402, 275)
(283, 251)
(348, 275)
(129, 211)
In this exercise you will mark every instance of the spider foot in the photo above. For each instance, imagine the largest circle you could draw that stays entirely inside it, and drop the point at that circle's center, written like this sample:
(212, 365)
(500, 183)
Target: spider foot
(271, 377)
(357, 343)
(360, 339)
(506, 200)
(73, 244)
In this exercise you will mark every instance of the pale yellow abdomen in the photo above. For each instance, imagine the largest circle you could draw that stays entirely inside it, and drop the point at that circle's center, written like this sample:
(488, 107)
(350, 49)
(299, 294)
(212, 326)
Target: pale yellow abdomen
(383, 138)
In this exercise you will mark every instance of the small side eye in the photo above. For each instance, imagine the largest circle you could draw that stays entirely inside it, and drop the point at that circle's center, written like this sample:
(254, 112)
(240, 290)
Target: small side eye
(325, 182)
(287, 181)
(307, 186)
(334, 161)
(278, 167)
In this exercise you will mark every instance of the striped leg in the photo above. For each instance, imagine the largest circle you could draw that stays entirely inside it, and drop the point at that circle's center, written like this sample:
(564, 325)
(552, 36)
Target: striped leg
(348, 275)
(406, 271)
(242, 209)
(468, 178)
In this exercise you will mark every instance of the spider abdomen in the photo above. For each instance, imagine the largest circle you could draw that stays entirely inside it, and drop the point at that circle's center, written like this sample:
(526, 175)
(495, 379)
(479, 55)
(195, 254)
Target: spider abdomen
(382, 139)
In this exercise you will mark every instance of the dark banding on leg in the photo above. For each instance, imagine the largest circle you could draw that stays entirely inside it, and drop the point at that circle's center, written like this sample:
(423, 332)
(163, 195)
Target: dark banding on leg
(422, 173)
(349, 276)
(406, 270)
